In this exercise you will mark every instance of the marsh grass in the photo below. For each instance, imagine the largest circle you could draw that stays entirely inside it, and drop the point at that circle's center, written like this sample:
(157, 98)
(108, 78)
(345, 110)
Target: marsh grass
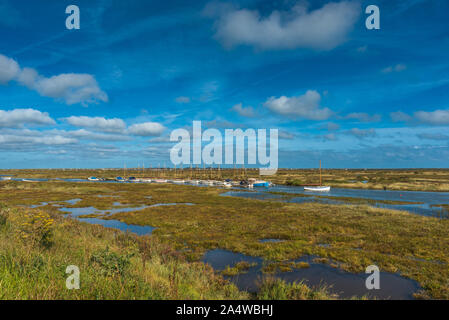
(272, 288)
(110, 263)
(357, 235)
(238, 268)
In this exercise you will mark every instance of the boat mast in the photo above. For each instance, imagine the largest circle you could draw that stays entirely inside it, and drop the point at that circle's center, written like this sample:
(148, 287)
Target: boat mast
(320, 174)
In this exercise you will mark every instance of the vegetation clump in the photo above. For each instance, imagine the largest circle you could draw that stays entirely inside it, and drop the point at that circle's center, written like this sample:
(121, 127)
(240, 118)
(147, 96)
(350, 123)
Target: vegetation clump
(277, 289)
(238, 268)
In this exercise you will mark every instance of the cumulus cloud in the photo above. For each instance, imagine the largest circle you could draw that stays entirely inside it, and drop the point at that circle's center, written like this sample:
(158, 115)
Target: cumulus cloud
(306, 106)
(322, 29)
(98, 123)
(36, 140)
(361, 133)
(9, 69)
(88, 135)
(20, 117)
(182, 99)
(146, 129)
(397, 68)
(330, 137)
(244, 111)
(364, 117)
(286, 135)
(400, 116)
(437, 117)
(71, 88)
(331, 126)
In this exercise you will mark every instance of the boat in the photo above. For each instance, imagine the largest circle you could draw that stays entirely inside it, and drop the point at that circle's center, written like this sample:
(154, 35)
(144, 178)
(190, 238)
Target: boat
(227, 184)
(178, 181)
(120, 179)
(93, 179)
(259, 183)
(133, 179)
(160, 180)
(5, 178)
(319, 188)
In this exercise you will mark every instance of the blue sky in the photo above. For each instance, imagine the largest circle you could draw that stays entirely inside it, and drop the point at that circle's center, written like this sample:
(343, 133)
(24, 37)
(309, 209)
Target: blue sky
(111, 92)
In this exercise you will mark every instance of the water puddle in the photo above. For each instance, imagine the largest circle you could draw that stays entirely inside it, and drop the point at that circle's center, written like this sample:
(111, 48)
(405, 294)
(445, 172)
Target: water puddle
(73, 201)
(139, 230)
(171, 204)
(345, 284)
(76, 212)
(271, 240)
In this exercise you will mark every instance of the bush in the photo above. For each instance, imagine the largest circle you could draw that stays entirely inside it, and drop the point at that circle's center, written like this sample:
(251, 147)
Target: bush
(111, 263)
(33, 228)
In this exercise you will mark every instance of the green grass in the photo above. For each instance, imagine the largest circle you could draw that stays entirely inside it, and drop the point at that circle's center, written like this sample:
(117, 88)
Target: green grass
(357, 235)
(113, 265)
(238, 268)
(276, 289)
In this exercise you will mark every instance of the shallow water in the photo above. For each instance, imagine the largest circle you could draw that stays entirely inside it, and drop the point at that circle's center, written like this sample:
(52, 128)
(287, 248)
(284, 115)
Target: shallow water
(422, 205)
(270, 240)
(345, 284)
(139, 230)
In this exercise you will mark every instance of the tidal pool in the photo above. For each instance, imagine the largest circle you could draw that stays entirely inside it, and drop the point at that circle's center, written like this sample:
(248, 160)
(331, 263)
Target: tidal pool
(345, 284)
(417, 202)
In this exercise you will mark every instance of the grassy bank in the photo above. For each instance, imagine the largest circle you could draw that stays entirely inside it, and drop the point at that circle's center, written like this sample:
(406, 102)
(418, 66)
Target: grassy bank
(352, 236)
(36, 248)
(112, 265)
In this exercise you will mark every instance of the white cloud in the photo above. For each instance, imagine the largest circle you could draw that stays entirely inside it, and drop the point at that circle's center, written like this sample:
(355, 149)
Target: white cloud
(364, 117)
(331, 126)
(9, 69)
(323, 29)
(88, 135)
(182, 99)
(306, 106)
(437, 117)
(98, 123)
(71, 88)
(244, 111)
(36, 140)
(146, 129)
(361, 133)
(397, 68)
(286, 135)
(400, 116)
(330, 137)
(19, 117)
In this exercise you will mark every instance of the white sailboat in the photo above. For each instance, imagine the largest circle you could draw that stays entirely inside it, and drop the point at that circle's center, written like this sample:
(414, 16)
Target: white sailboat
(319, 188)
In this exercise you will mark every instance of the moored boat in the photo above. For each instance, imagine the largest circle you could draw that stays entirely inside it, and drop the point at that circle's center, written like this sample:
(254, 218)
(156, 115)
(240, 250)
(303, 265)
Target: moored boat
(93, 179)
(318, 188)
